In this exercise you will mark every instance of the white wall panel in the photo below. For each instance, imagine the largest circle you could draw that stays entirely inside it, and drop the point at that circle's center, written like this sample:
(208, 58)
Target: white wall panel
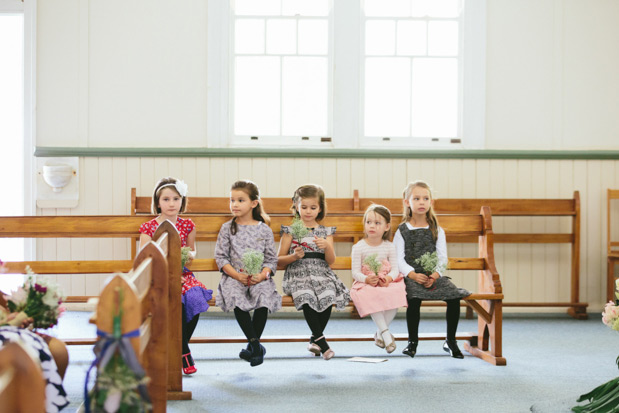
(529, 272)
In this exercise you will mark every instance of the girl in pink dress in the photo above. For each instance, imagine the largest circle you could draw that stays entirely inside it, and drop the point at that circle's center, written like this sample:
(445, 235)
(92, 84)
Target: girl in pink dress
(381, 291)
(169, 200)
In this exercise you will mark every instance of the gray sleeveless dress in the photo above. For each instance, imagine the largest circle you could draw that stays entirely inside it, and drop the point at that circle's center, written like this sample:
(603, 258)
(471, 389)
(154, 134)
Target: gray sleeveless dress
(416, 243)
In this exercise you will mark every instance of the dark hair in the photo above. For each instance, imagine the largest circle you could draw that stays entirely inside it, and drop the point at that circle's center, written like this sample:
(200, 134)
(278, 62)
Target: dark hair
(407, 213)
(384, 212)
(309, 191)
(154, 207)
(253, 193)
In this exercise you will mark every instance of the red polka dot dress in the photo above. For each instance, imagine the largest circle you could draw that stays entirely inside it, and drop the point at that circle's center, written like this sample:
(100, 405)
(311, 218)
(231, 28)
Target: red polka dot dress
(195, 294)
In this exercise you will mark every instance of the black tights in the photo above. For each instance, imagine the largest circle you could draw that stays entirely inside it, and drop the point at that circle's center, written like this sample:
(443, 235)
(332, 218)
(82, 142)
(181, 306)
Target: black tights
(316, 321)
(252, 326)
(413, 316)
(188, 329)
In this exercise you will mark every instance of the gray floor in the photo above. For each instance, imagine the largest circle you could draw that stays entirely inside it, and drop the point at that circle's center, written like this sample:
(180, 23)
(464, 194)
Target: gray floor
(551, 360)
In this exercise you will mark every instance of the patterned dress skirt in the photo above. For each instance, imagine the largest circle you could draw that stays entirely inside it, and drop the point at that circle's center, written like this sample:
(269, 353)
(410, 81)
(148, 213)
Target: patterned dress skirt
(445, 290)
(311, 281)
(195, 295)
(232, 293)
(55, 395)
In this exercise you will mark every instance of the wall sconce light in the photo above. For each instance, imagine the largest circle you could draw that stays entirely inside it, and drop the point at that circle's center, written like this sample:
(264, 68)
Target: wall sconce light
(57, 175)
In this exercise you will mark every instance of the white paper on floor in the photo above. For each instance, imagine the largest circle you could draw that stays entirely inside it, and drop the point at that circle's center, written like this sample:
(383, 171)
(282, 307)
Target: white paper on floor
(366, 360)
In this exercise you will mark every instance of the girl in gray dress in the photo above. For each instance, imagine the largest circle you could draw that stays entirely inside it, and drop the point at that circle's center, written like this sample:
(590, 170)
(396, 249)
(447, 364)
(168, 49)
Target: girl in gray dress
(418, 234)
(239, 291)
(309, 279)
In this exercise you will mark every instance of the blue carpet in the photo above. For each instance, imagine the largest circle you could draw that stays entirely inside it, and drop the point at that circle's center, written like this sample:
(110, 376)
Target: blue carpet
(551, 360)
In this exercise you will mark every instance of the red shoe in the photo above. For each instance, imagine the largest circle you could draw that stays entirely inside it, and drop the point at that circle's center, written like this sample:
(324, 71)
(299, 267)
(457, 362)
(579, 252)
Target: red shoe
(189, 366)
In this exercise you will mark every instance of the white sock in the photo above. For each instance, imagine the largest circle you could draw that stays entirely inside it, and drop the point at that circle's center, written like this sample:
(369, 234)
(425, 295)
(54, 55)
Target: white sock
(381, 323)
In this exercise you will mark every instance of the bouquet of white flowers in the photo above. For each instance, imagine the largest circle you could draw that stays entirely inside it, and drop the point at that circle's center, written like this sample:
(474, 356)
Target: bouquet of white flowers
(429, 263)
(252, 263)
(298, 231)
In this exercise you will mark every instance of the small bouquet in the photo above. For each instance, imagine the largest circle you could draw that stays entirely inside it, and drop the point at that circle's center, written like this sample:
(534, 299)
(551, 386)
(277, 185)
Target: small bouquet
(429, 263)
(373, 264)
(298, 232)
(38, 298)
(604, 398)
(252, 263)
(185, 256)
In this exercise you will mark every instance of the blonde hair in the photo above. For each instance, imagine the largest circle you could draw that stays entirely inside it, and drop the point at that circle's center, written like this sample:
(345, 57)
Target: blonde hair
(309, 191)
(252, 191)
(154, 206)
(384, 212)
(407, 212)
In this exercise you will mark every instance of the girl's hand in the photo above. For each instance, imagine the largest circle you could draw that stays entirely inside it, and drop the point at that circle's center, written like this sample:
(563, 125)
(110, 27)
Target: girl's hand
(258, 278)
(431, 280)
(372, 280)
(385, 283)
(243, 278)
(418, 277)
(20, 320)
(299, 253)
(321, 243)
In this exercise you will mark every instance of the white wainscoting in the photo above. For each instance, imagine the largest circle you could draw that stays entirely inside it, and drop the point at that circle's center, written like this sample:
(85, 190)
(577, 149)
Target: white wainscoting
(528, 272)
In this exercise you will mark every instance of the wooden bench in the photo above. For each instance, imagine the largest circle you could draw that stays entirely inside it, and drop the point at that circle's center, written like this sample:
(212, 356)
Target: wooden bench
(148, 306)
(22, 386)
(486, 343)
(356, 206)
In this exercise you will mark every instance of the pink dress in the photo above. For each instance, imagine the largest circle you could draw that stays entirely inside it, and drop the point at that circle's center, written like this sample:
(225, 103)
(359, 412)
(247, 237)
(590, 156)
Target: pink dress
(367, 298)
(195, 294)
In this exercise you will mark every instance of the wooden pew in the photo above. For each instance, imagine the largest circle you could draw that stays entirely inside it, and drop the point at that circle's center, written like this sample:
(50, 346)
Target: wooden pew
(355, 206)
(22, 386)
(489, 304)
(147, 306)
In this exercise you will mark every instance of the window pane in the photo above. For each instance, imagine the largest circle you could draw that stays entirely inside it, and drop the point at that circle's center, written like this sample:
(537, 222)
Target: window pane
(380, 37)
(313, 37)
(411, 38)
(435, 98)
(443, 38)
(304, 97)
(436, 8)
(257, 7)
(249, 36)
(305, 7)
(281, 36)
(387, 97)
(11, 136)
(387, 8)
(256, 96)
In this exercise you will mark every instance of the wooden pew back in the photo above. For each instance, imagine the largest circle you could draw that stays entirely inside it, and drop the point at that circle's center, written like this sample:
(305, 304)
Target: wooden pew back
(144, 306)
(22, 386)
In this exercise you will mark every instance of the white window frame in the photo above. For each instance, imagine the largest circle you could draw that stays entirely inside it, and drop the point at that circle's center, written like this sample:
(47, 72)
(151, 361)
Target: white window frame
(28, 8)
(346, 114)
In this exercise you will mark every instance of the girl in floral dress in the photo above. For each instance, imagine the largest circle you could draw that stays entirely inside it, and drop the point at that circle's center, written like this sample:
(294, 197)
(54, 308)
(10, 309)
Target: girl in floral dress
(240, 291)
(169, 200)
(309, 279)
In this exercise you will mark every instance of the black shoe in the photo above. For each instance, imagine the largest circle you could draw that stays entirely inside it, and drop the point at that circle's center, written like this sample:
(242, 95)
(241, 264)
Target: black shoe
(258, 358)
(245, 354)
(411, 349)
(451, 347)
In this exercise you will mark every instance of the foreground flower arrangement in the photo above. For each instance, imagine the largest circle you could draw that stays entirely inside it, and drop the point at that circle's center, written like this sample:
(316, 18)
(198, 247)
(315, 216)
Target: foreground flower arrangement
(604, 398)
(38, 298)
